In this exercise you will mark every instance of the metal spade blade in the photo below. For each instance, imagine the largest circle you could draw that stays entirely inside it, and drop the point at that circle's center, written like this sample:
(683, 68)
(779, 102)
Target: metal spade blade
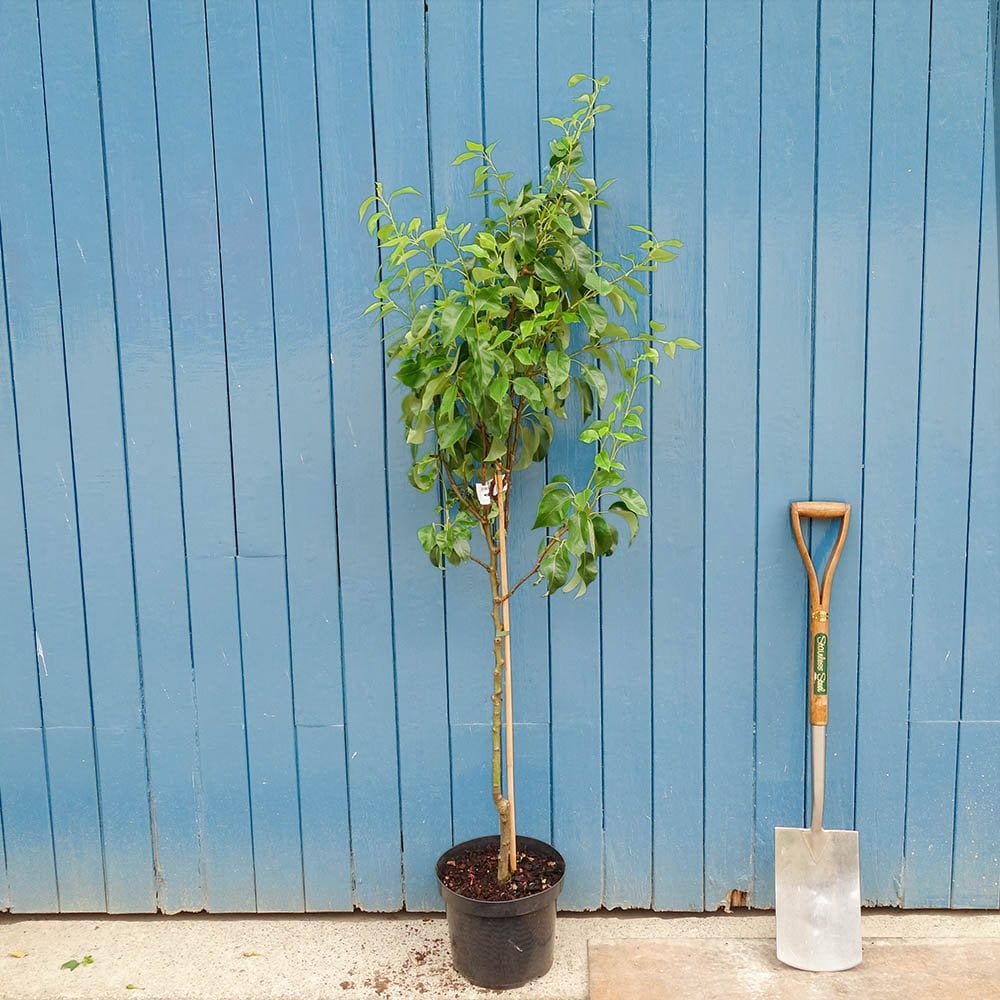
(817, 898)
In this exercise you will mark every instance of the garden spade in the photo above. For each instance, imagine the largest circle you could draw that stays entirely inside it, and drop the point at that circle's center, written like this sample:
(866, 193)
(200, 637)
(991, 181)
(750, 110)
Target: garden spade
(817, 891)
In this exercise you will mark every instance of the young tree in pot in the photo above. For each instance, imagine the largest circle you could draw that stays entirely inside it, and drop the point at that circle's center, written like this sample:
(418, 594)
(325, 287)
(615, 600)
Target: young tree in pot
(499, 325)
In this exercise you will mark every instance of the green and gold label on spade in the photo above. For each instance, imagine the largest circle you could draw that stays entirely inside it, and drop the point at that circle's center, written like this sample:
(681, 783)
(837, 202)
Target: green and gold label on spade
(819, 663)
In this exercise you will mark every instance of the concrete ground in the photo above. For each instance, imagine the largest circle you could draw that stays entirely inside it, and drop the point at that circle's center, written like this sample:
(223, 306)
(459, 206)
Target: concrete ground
(350, 956)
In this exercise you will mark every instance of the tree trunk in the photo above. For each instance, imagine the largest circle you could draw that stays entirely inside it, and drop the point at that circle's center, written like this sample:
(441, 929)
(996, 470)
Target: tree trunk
(507, 861)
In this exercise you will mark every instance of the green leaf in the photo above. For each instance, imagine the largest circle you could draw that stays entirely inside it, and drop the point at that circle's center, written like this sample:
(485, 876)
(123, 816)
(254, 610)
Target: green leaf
(365, 205)
(586, 395)
(596, 378)
(498, 449)
(557, 365)
(432, 237)
(553, 506)
(576, 539)
(525, 387)
(587, 568)
(498, 388)
(509, 260)
(605, 535)
(403, 190)
(594, 316)
(448, 397)
(688, 345)
(586, 573)
(577, 78)
(451, 432)
(607, 479)
(529, 445)
(71, 965)
(462, 157)
(426, 537)
(588, 435)
(628, 517)
(555, 567)
(633, 501)
(423, 473)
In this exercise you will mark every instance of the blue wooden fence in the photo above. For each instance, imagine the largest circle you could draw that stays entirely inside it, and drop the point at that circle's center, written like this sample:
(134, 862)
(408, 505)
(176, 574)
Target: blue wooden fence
(231, 681)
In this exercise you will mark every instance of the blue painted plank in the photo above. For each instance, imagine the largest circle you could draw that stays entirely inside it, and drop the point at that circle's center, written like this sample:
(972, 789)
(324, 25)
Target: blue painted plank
(677, 426)
(76, 819)
(180, 62)
(28, 876)
(248, 303)
(620, 40)
(565, 47)
(271, 745)
(951, 252)
(48, 481)
(323, 806)
(345, 116)
(453, 623)
(842, 214)
(27, 869)
(140, 267)
(976, 861)
(511, 119)
(215, 638)
(980, 679)
(184, 119)
(976, 866)
(899, 116)
(454, 98)
(404, 106)
(244, 234)
(27, 822)
(731, 352)
(128, 851)
(304, 379)
(930, 814)
(951, 256)
(78, 192)
(787, 184)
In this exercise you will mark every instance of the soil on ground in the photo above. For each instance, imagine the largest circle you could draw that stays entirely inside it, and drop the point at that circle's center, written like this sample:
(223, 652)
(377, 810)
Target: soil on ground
(474, 875)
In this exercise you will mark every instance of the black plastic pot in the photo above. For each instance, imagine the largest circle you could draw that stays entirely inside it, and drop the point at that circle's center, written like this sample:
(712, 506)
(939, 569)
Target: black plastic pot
(503, 944)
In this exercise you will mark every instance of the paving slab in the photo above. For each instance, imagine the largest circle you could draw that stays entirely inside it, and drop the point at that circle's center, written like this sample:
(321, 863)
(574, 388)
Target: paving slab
(747, 969)
(353, 956)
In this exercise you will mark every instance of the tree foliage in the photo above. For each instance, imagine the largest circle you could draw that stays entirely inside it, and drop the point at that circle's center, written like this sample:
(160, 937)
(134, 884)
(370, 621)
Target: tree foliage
(483, 340)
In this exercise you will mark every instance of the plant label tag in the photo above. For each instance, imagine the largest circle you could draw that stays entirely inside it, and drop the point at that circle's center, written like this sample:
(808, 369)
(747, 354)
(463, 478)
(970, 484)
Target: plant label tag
(484, 494)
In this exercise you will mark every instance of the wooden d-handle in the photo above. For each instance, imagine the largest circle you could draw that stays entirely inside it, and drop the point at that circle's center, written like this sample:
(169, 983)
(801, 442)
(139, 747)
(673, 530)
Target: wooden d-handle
(819, 598)
(820, 508)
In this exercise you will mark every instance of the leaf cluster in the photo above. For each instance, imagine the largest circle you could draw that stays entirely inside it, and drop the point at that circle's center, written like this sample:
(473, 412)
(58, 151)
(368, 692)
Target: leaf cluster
(494, 328)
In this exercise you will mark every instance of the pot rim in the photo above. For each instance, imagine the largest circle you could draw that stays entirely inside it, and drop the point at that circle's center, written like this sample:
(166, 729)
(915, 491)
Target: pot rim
(501, 907)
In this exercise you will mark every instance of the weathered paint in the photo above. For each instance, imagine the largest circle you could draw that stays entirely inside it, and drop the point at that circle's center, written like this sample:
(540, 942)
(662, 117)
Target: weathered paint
(231, 679)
